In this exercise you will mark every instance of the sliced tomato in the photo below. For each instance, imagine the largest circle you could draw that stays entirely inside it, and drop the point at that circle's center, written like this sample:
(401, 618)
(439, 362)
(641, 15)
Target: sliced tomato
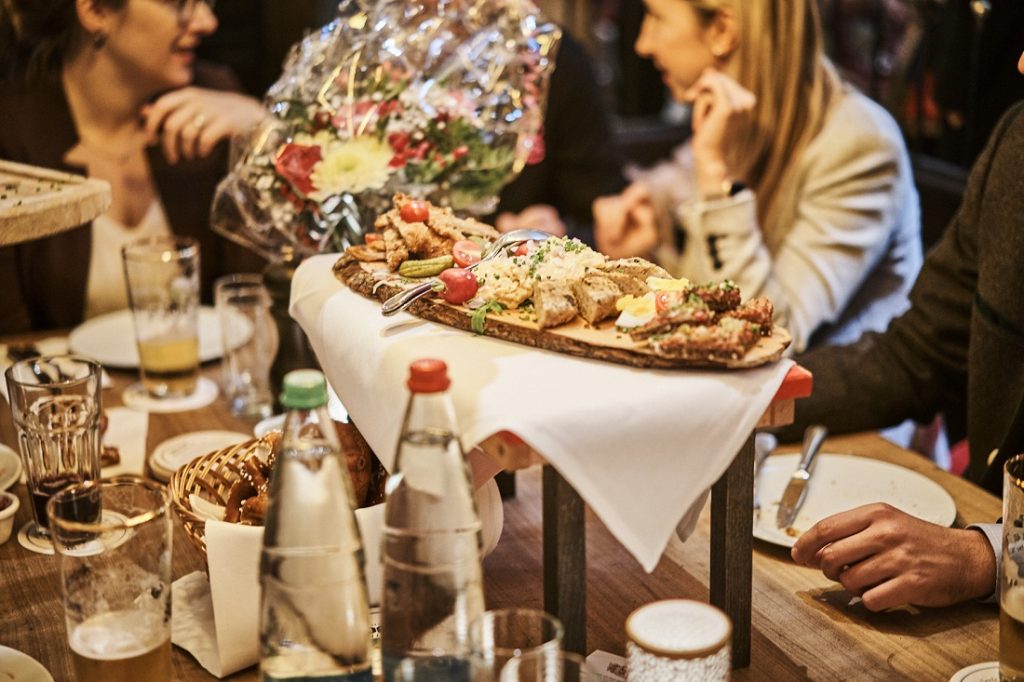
(466, 253)
(523, 248)
(459, 285)
(415, 211)
(371, 237)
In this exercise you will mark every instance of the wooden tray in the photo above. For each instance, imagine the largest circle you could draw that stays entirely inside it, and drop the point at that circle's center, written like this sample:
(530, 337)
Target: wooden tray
(38, 202)
(600, 342)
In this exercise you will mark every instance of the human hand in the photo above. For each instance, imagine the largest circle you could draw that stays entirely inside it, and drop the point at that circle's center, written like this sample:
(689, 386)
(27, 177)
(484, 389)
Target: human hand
(722, 109)
(189, 122)
(538, 217)
(625, 224)
(890, 558)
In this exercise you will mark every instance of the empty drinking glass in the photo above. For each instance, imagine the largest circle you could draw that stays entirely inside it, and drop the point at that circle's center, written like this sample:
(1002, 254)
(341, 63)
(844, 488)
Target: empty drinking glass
(250, 342)
(503, 634)
(55, 404)
(547, 666)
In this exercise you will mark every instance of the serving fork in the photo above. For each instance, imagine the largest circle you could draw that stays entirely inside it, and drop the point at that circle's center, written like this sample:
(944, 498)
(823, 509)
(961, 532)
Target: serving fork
(404, 299)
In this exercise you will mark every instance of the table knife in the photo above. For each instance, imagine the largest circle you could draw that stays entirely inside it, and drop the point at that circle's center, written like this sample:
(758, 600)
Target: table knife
(796, 490)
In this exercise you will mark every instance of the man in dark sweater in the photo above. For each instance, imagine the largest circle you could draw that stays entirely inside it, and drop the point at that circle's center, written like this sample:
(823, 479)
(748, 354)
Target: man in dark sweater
(958, 350)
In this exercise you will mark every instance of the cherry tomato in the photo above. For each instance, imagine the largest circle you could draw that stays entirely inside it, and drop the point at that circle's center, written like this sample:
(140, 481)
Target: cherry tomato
(466, 252)
(459, 285)
(523, 248)
(371, 237)
(415, 212)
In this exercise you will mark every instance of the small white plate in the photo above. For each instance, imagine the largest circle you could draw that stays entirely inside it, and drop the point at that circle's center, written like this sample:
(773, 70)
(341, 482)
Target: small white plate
(10, 467)
(979, 672)
(110, 338)
(275, 422)
(14, 665)
(842, 482)
(265, 426)
(178, 451)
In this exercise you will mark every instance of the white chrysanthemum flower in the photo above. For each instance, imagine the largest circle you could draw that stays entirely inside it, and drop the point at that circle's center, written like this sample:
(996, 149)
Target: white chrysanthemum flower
(351, 166)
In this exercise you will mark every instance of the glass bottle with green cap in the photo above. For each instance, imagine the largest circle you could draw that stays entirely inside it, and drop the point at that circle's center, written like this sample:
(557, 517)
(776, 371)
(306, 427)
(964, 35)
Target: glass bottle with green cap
(314, 612)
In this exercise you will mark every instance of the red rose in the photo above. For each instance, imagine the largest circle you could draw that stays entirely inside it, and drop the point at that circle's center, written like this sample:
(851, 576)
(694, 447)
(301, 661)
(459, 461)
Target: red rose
(295, 163)
(537, 151)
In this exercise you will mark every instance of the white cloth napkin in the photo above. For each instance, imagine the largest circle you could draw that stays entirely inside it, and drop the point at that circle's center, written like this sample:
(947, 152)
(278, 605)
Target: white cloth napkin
(217, 621)
(639, 445)
(126, 430)
(54, 345)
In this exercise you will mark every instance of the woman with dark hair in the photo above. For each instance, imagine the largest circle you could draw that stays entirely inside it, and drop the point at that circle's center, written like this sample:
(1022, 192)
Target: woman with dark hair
(111, 89)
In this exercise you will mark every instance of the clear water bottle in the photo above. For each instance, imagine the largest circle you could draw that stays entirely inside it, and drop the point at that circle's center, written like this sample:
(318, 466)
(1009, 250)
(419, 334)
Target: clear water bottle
(433, 586)
(314, 613)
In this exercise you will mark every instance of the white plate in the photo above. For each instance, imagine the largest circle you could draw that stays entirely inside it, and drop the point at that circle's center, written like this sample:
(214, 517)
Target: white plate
(10, 467)
(842, 482)
(979, 672)
(265, 426)
(178, 451)
(335, 408)
(15, 665)
(110, 338)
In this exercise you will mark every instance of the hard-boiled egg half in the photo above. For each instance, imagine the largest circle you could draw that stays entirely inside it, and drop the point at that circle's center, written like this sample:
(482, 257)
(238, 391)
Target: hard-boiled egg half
(636, 311)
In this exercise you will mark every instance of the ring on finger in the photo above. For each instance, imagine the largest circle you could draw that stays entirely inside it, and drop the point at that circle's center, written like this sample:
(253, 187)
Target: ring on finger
(198, 121)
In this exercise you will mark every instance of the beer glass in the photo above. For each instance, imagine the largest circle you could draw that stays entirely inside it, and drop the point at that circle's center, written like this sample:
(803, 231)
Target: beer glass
(1011, 592)
(163, 290)
(250, 342)
(114, 542)
(55, 405)
(500, 635)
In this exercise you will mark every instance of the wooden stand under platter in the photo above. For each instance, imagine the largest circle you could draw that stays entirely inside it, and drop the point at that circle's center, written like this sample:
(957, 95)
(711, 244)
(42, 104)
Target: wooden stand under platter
(39, 202)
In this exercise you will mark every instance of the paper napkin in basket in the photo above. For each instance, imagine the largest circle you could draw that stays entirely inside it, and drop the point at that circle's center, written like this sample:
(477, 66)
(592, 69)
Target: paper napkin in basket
(218, 621)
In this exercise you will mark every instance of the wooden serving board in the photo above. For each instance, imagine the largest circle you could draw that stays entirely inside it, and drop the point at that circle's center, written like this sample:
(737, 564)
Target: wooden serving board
(600, 342)
(38, 202)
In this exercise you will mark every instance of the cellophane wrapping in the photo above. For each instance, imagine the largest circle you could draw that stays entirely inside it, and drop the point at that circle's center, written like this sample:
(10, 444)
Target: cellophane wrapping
(442, 101)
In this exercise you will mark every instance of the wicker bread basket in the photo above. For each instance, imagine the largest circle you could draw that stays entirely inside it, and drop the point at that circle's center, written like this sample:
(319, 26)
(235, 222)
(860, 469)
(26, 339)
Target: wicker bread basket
(210, 477)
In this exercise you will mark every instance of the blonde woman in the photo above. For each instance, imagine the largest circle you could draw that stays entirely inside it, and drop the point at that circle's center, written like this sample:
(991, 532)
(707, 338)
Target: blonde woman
(793, 184)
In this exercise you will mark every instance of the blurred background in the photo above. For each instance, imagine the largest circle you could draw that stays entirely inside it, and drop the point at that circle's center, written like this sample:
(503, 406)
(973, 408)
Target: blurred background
(945, 70)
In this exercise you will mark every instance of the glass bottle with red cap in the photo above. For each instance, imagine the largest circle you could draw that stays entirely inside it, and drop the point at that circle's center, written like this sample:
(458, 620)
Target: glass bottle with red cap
(433, 580)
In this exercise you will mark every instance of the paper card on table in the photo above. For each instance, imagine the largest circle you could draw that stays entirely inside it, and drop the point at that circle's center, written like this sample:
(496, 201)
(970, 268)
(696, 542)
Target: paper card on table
(126, 430)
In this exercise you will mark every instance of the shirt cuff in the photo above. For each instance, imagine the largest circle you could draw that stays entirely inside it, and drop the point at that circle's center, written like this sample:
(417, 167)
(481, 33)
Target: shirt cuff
(994, 533)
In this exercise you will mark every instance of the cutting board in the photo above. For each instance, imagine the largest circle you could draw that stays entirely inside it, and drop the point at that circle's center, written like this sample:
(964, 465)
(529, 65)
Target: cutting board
(38, 202)
(598, 342)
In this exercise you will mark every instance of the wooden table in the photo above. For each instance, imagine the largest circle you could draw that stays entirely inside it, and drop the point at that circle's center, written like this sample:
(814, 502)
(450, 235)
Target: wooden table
(800, 624)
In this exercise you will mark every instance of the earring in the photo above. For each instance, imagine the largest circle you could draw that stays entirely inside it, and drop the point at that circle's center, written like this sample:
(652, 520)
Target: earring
(717, 52)
(99, 39)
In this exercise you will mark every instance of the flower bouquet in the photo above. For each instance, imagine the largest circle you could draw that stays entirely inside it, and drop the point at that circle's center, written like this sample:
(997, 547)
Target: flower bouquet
(439, 99)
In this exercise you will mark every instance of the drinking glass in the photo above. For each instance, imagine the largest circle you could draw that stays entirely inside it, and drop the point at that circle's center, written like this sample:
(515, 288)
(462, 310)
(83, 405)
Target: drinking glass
(250, 342)
(500, 635)
(114, 542)
(547, 666)
(163, 291)
(1011, 589)
(55, 404)
(442, 668)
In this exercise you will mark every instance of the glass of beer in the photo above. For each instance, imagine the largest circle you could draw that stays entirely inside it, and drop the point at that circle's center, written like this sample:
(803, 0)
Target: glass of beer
(114, 542)
(1011, 594)
(55, 405)
(163, 291)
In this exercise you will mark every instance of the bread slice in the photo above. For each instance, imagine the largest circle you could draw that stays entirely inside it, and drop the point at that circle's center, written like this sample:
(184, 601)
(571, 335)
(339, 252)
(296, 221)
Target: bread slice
(596, 296)
(554, 303)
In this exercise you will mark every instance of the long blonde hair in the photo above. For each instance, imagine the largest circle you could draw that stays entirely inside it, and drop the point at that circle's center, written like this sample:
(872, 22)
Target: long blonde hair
(781, 60)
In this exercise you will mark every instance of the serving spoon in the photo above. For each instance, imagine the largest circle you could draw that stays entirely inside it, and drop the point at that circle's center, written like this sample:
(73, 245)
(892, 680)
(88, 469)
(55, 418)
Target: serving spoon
(404, 299)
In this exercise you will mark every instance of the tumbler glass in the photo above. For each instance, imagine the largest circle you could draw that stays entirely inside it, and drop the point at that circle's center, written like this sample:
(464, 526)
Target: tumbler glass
(547, 666)
(56, 405)
(163, 291)
(250, 342)
(114, 542)
(503, 634)
(1011, 589)
(442, 668)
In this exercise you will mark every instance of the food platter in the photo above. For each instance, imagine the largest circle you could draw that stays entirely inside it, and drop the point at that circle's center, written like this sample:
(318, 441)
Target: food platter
(601, 342)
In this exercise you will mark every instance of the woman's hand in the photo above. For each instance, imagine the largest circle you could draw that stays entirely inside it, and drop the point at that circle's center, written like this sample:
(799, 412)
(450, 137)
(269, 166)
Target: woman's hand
(722, 109)
(624, 225)
(191, 121)
(537, 217)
